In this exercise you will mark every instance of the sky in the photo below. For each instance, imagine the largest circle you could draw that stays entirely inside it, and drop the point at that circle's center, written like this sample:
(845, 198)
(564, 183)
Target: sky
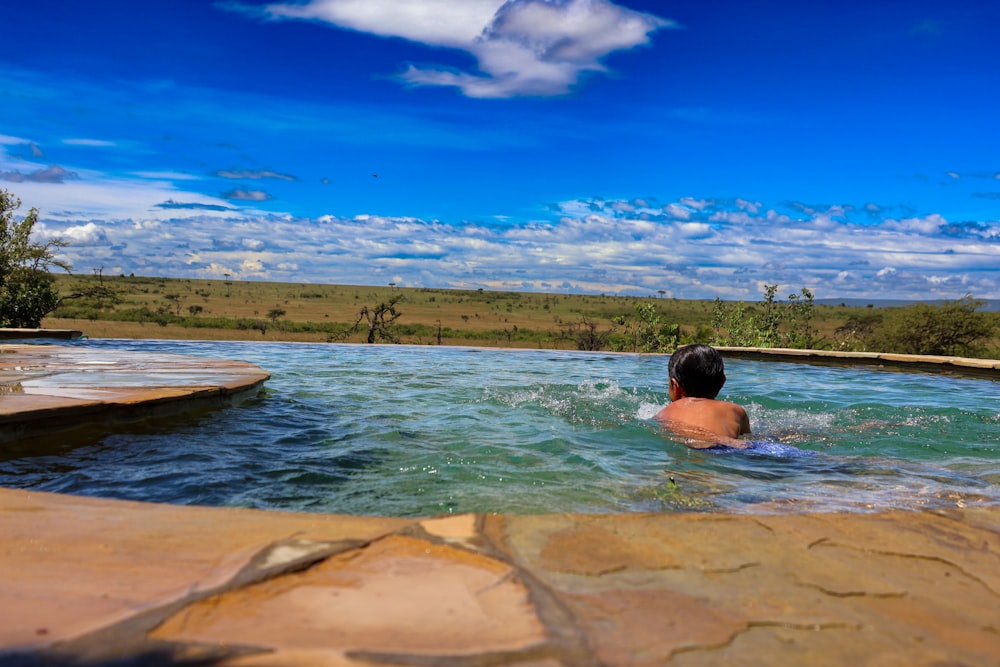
(689, 149)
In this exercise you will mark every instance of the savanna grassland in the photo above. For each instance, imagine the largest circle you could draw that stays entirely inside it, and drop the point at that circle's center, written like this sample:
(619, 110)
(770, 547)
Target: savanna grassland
(174, 308)
(239, 310)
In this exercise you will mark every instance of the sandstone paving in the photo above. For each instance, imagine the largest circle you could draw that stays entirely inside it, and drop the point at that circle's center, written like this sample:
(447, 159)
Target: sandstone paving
(72, 565)
(90, 581)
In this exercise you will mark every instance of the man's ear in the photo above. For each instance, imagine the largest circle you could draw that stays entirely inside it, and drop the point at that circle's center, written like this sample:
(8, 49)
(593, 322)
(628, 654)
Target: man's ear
(723, 384)
(675, 389)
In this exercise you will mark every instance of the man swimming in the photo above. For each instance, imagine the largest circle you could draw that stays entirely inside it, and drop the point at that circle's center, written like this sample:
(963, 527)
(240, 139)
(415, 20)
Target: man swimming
(697, 375)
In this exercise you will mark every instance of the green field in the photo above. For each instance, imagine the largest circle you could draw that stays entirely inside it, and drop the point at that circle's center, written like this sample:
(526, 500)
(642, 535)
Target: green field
(143, 307)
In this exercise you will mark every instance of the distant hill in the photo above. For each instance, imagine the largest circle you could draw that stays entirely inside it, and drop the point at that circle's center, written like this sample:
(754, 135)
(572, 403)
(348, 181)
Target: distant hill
(992, 305)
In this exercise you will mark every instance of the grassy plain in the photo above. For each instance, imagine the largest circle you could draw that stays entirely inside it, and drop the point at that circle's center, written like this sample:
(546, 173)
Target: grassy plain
(180, 308)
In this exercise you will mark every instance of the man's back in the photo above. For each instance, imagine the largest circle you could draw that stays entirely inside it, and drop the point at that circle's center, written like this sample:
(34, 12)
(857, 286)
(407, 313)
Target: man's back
(720, 418)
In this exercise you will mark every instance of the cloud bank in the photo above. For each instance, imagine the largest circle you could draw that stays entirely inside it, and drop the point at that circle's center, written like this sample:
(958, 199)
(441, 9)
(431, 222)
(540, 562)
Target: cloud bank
(690, 248)
(521, 47)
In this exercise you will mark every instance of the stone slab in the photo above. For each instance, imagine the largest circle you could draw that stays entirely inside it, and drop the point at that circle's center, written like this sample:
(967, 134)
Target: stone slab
(91, 579)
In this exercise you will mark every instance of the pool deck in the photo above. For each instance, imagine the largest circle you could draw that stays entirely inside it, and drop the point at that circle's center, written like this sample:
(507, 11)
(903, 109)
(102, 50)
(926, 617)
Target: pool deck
(86, 581)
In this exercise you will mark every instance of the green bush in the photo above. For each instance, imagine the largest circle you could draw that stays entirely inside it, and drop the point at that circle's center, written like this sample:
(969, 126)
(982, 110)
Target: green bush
(770, 323)
(954, 328)
(647, 331)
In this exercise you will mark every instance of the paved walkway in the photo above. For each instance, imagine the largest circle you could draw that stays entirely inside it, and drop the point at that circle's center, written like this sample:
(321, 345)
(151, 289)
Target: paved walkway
(87, 581)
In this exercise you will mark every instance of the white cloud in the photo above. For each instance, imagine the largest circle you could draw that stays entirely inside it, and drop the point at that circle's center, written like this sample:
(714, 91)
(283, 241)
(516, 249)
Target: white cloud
(697, 248)
(435, 22)
(110, 198)
(523, 47)
(94, 143)
(252, 267)
(89, 234)
(677, 211)
(166, 175)
(7, 140)
(925, 225)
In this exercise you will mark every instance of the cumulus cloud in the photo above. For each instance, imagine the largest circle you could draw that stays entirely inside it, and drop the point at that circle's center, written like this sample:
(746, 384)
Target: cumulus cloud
(926, 225)
(89, 234)
(522, 47)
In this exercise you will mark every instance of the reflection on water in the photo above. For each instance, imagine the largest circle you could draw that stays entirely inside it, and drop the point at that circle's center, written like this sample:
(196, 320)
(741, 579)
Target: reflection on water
(410, 431)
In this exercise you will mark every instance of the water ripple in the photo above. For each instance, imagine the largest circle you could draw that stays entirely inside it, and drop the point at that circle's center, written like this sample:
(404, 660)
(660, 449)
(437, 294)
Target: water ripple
(410, 431)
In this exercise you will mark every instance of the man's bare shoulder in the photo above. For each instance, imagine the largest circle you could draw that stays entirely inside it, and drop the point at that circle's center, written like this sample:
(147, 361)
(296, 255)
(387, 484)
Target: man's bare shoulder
(706, 415)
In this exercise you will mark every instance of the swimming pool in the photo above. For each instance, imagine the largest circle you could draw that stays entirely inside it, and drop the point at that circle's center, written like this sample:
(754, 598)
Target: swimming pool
(413, 431)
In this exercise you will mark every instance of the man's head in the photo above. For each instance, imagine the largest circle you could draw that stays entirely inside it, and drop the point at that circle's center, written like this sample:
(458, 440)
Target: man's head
(698, 371)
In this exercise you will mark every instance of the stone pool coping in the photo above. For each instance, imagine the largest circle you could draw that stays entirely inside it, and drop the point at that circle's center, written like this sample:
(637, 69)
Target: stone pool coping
(918, 362)
(86, 581)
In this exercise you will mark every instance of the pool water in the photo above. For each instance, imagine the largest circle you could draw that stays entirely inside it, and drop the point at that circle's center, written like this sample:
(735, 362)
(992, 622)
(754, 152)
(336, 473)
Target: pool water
(413, 431)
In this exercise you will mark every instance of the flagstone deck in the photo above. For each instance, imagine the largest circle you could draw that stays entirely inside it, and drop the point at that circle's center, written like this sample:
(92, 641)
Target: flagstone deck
(86, 581)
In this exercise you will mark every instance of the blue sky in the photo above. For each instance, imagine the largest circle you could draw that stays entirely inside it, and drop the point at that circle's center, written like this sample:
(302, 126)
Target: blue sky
(702, 148)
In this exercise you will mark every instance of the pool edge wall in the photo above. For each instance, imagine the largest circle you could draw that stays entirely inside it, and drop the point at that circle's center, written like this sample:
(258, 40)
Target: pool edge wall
(989, 368)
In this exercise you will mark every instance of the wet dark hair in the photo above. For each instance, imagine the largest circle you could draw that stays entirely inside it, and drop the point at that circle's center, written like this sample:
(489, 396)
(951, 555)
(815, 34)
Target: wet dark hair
(698, 369)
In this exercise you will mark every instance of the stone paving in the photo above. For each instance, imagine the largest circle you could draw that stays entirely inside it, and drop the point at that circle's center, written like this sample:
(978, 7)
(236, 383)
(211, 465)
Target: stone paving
(86, 581)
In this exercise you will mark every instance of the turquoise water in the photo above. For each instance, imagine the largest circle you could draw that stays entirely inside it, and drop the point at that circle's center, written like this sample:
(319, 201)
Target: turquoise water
(406, 431)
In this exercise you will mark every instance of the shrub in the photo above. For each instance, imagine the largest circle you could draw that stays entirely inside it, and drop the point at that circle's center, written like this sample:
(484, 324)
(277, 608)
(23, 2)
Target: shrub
(953, 328)
(769, 324)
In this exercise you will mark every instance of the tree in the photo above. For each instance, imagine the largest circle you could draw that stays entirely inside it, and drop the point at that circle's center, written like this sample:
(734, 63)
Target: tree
(857, 333)
(954, 328)
(27, 290)
(379, 321)
(586, 335)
